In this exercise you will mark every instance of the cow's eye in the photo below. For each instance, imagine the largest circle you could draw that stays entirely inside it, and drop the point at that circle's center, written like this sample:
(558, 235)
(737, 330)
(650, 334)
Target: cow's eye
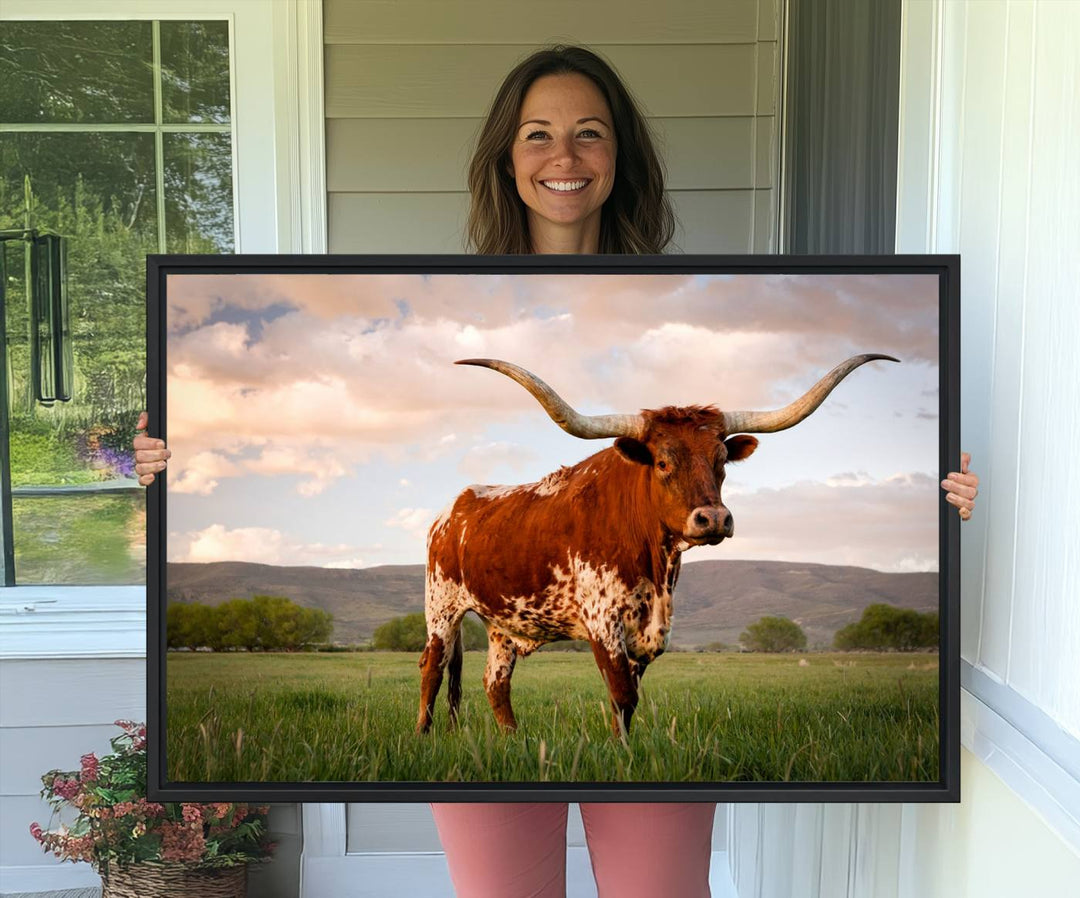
(661, 465)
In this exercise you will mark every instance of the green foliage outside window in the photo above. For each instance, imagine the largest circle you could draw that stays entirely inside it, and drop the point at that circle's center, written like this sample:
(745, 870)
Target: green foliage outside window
(101, 186)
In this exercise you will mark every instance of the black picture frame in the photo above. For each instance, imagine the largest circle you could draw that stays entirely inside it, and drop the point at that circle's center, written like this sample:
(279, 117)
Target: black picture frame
(946, 268)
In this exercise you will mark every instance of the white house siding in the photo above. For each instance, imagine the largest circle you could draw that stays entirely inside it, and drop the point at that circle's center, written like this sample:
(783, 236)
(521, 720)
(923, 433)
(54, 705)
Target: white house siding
(989, 143)
(54, 710)
(408, 82)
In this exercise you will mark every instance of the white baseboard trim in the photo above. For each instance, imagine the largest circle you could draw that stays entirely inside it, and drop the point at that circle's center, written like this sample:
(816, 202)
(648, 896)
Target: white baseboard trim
(354, 876)
(1049, 788)
(399, 873)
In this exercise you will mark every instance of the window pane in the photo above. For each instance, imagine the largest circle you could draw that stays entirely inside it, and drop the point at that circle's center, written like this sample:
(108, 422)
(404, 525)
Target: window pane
(76, 72)
(81, 540)
(198, 193)
(195, 72)
(81, 179)
(98, 191)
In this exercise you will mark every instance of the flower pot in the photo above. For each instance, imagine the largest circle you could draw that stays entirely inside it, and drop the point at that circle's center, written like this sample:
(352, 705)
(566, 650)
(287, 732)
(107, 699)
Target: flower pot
(174, 881)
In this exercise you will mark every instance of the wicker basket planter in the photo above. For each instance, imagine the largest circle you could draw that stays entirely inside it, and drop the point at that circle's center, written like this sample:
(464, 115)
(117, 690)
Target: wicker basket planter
(174, 881)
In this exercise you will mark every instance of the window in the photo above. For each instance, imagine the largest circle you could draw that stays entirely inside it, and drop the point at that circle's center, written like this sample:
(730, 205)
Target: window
(116, 135)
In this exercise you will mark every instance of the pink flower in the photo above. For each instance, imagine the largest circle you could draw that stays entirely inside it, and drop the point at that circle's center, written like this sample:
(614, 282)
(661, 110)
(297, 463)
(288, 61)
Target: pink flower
(192, 813)
(89, 768)
(181, 842)
(66, 789)
(150, 808)
(36, 832)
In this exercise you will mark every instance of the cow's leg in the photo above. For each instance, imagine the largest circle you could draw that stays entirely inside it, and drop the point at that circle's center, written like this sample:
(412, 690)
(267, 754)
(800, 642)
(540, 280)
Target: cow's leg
(443, 611)
(432, 661)
(453, 669)
(500, 665)
(620, 678)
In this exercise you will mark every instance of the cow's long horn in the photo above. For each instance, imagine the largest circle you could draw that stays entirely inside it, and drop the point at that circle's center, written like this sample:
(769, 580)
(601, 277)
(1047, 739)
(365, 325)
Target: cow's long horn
(588, 427)
(790, 415)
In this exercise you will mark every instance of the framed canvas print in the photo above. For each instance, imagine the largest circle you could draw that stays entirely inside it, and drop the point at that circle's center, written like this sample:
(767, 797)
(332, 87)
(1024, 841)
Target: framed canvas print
(457, 528)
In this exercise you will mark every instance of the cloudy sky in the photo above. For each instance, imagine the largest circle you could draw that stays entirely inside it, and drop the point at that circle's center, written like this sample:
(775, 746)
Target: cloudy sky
(320, 420)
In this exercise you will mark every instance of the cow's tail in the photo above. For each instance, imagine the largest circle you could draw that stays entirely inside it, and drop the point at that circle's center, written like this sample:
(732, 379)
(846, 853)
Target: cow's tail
(453, 671)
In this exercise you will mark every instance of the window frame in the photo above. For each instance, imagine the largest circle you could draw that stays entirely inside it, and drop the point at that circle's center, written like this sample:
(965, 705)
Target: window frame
(279, 206)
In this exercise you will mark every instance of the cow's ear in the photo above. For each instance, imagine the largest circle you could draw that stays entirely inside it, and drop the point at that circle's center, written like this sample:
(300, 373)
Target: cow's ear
(740, 447)
(633, 450)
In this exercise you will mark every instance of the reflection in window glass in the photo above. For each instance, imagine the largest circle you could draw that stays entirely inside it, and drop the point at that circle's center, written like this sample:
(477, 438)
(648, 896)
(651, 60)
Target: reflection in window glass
(198, 193)
(83, 540)
(81, 181)
(63, 72)
(195, 71)
(78, 514)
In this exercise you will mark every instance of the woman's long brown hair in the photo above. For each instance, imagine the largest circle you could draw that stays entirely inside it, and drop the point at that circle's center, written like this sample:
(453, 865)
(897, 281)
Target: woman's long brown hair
(637, 216)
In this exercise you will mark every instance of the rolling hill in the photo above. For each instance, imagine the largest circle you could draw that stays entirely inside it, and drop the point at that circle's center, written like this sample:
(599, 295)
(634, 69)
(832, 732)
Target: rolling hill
(714, 600)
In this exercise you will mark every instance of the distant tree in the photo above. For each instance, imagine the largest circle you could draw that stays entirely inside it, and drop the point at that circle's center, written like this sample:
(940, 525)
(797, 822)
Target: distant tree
(235, 626)
(282, 624)
(188, 625)
(408, 633)
(475, 634)
(271, 623)
(888, 627)
(773, 634)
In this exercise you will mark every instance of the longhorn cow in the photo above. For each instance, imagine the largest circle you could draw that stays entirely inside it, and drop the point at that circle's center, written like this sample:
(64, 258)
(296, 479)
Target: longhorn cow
(591, 551)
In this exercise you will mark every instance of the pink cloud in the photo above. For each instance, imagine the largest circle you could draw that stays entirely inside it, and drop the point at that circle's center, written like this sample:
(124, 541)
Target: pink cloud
(843, 520)
(259, 545)
(345, 374)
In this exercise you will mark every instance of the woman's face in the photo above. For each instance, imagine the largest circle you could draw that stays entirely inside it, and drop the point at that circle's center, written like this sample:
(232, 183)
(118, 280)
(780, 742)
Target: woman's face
(563, 154)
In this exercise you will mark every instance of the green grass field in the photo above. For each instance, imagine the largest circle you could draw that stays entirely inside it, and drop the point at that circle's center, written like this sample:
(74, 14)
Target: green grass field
(701, 718)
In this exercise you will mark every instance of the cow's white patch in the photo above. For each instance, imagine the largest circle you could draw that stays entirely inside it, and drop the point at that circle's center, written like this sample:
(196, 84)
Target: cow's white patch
(443, 609)
(500, 658)
(483, 491)
(553, 484)
(442, 520)
(585, 602)
(601, 595)
(580, 601)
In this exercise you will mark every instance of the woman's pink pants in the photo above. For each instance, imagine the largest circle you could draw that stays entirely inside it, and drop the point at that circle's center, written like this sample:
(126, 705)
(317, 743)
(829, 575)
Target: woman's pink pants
(501, 850)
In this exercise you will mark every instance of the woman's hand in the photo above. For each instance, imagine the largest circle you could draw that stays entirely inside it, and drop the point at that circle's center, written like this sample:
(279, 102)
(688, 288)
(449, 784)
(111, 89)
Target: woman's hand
(961, 487)
(151, 455)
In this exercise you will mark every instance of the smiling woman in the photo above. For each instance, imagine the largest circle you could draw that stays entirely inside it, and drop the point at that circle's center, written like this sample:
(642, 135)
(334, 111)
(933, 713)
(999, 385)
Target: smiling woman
(563, 162)
(561, 117)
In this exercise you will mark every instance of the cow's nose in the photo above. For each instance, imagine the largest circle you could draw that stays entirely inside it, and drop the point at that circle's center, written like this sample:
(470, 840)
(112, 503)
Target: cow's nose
(710, 520)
